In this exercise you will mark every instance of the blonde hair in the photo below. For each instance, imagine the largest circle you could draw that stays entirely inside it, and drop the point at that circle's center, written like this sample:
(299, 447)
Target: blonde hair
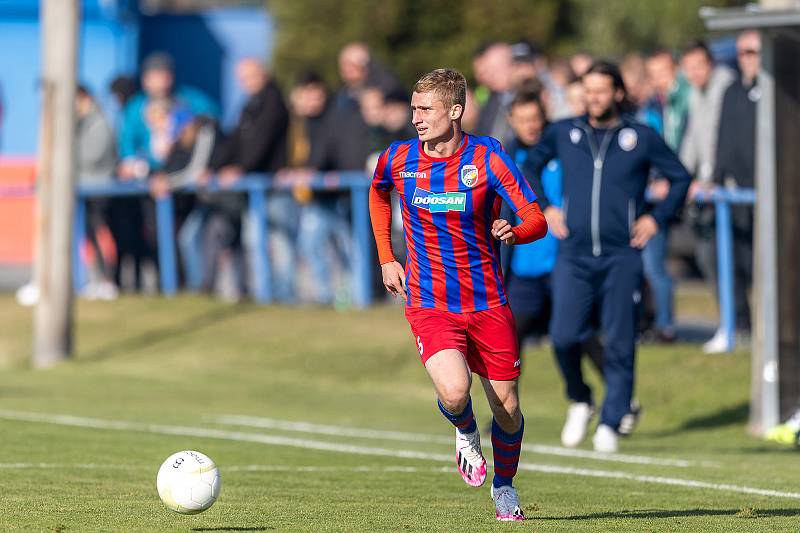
(448, 85)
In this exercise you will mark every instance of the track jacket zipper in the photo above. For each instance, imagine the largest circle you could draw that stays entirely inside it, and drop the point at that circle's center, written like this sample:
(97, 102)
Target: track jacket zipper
(598, 155)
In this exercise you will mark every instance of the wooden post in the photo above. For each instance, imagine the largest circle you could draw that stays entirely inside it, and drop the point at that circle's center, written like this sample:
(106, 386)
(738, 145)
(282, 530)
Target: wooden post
(53, 318)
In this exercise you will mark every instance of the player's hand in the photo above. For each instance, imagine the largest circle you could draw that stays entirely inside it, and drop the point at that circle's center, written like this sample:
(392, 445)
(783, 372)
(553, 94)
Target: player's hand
(501, 230)
(643, 230)
(394, 279)
(556, 223)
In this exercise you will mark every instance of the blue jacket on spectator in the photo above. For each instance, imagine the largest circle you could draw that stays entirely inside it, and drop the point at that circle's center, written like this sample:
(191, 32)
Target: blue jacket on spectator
(134, 135)
(605, 175)
(539, 257)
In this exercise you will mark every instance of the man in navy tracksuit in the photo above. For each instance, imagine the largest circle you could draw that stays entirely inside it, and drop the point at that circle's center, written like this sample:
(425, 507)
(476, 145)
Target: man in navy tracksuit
(604, 223)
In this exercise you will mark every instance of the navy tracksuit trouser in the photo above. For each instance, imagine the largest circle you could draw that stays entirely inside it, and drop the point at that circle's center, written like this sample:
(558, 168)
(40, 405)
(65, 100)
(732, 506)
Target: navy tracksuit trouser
(611, 284)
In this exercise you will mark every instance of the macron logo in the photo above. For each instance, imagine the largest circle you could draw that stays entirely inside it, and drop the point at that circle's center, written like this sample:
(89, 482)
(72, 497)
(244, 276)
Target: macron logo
(416, 175)
(439, 202)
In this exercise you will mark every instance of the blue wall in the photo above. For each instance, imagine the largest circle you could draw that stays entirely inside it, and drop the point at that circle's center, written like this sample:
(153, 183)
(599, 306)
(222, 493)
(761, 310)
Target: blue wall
(206, 48)
(114, 37)
(108, 44)
(19, 69)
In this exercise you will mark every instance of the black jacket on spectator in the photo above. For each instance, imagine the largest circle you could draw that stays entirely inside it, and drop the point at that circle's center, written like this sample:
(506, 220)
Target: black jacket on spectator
(316, 135)
(736, 145)
(343, 142)
(735, 163)
(258, 143)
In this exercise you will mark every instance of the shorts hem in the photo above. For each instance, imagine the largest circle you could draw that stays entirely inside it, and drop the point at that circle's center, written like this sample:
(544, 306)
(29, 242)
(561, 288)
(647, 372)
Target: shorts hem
(495, 377)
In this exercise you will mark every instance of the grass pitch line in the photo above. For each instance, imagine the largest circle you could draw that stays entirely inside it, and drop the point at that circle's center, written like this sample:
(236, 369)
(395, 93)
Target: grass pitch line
(355, 469)
(240, 436)
(235, 468)
(48, 466)
(363, 433)
(76, 421)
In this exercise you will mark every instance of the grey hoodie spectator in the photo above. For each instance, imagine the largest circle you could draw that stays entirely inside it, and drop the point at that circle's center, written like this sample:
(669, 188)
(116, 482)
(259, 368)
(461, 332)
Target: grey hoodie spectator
(709, 83)
(96, 153)
(698, 154)
(96, 160)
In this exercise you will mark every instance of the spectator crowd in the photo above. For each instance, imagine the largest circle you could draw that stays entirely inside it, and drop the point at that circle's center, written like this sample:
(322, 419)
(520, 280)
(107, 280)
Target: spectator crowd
(168, 136)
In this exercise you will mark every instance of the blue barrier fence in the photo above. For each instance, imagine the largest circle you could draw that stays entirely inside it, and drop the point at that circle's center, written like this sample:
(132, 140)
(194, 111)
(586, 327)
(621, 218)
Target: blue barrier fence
(723, 199)
(258, 186)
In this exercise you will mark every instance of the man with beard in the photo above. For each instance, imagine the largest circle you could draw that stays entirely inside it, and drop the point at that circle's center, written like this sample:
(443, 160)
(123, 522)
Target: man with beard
(603, 224)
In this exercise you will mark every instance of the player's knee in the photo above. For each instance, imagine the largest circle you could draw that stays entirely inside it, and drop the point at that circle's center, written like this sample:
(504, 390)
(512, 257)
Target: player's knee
(505, 402)
(454, 398)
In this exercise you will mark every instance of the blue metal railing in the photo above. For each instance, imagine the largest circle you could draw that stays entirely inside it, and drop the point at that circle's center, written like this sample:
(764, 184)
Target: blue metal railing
(258, 186)
(723, 199)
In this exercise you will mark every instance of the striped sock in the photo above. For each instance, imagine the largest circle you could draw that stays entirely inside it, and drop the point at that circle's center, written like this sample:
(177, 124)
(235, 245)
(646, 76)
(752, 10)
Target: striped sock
(465, 422)
(505, 447)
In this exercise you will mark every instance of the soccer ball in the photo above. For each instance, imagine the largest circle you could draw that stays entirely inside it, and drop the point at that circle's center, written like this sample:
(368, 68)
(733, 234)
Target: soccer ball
(188, 482)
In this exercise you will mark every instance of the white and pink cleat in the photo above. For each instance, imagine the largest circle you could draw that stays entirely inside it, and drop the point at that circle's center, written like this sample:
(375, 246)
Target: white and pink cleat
(469, 458)
(506, 504)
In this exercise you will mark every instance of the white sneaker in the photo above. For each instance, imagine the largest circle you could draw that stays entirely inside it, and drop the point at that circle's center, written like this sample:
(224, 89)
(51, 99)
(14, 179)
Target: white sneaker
(717, 344)
(28, 295)
(91, 291)
(579, 415)
(506, 504)
(631, 419)
(469, 458)
(605, 439)
(107, 291)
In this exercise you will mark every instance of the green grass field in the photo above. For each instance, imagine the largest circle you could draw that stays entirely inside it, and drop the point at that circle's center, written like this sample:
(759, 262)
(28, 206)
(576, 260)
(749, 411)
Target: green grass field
(80, 444)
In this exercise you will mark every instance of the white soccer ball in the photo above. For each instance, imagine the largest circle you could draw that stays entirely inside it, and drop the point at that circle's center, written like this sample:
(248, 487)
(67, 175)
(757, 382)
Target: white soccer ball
(188, 482)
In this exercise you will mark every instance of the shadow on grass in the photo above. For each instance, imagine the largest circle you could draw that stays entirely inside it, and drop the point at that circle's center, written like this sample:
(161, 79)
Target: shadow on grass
(232, 528)
(727, 416)
(647, 514)
(151, 337)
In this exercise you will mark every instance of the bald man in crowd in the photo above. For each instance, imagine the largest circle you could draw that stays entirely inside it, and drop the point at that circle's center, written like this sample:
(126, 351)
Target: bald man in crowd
(258, 142)
(359, 70)
(498, 72)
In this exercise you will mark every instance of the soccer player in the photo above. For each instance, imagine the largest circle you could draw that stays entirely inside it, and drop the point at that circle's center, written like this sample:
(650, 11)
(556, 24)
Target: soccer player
(451, 185)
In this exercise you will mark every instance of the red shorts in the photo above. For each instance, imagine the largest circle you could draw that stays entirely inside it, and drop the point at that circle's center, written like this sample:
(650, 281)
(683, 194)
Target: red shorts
(488, 339)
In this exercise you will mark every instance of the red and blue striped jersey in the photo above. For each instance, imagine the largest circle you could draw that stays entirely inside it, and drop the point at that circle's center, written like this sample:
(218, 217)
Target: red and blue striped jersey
(448, 206)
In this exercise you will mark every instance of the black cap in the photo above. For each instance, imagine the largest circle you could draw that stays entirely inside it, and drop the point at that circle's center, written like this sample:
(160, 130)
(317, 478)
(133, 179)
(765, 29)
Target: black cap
(308, 77)
(396, 96)
(524, 52)
(158, 61)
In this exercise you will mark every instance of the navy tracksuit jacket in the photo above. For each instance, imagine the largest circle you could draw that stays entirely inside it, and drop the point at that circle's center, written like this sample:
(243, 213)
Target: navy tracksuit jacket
(605, 175)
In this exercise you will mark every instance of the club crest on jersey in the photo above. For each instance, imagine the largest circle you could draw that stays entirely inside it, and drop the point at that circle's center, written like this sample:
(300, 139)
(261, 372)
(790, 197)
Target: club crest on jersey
(439, 202)
(628, 139)
(469, 175)
(575, 135)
